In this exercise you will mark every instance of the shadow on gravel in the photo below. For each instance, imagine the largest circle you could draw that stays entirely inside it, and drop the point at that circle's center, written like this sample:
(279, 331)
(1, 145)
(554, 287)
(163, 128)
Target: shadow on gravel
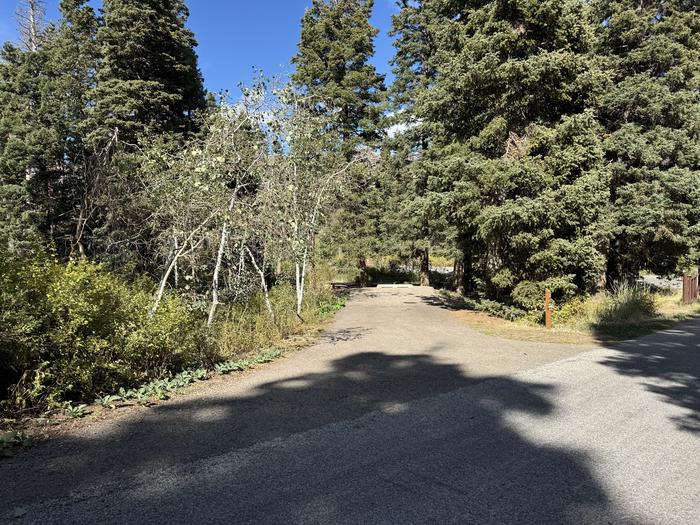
(446, 458)
(668, 362)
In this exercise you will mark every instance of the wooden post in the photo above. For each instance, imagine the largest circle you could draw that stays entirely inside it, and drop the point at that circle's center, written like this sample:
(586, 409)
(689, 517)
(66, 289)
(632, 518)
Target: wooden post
(691, 287)
(548, 309)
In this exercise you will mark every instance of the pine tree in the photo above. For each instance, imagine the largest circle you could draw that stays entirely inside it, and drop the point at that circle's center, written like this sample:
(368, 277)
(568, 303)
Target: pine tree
(652, 118)
(332, 65)
(72, 63)
(409, 220)
(43, 161)
(29, 147)
(412, 68)
(148, 78)
(515, 158)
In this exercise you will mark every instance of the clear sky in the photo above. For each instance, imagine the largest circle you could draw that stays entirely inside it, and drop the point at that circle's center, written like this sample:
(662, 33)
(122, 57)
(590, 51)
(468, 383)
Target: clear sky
(237, 35)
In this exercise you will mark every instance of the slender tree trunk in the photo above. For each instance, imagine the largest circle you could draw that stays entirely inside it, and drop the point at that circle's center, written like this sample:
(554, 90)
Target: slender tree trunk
(78, 237)
(177, 266)
(458, 276)
(364, 277)
(219, 258)
(462, 277)
(241, 259)
(215, 279)
(425, 268)
(166, 276)
(263, 283)
(602, 282)
(301, 281)
(613, 270)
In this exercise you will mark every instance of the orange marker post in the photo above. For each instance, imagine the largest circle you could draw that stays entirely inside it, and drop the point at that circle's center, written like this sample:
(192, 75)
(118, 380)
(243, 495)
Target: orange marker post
(548, 309)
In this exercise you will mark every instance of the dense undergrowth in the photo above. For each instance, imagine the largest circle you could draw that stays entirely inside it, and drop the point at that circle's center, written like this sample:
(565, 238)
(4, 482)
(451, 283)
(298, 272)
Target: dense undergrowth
(70, 333)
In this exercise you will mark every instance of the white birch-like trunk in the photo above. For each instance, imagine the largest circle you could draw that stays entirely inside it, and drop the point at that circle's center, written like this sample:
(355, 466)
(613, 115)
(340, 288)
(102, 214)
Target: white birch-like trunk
(173, 263)
(177, 268)
(263, 283)
(217, 267)
(215, 280)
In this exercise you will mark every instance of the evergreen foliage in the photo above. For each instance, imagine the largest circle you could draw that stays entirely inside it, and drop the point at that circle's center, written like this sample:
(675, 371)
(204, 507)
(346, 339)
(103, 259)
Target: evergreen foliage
(43, 158)
(515, 156)
(410, 219)
(332, 66)
(148, 78)
(651, 114)
(28, 148)
(541, 143)
(333, 69)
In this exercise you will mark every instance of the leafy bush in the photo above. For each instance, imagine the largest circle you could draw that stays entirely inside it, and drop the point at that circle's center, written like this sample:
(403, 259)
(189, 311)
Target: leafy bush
(511, 313)
(70, 332)
(73, 333)
(529, 295)
(391, 274)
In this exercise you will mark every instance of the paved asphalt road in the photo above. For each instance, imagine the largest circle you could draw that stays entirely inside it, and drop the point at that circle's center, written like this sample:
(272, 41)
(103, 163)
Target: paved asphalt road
(400, 414)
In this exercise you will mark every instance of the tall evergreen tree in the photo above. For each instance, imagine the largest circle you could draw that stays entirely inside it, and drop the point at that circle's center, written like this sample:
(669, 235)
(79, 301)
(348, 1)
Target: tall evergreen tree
(516, 158)
(652, 118)
(148, 78)
(332, 65)
(73, 62)
(410, 221)
(43, 160)
(29, 148)
(411, 65)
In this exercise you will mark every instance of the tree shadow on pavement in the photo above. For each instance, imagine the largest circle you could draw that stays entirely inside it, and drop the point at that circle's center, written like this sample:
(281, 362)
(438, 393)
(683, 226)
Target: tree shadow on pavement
(668, 362)
(343, 335)
(446, 302)
(668, 359)
(377, 438)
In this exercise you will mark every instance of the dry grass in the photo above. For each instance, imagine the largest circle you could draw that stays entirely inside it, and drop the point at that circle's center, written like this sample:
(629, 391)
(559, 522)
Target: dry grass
(522, 330)
(671, 307)
(586, 321)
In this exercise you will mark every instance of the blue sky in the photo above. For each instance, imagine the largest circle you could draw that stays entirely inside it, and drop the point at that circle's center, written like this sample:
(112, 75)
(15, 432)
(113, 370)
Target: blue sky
(237, 35)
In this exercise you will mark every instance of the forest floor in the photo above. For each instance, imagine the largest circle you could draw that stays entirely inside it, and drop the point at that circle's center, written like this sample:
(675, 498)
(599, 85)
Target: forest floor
(400, 412)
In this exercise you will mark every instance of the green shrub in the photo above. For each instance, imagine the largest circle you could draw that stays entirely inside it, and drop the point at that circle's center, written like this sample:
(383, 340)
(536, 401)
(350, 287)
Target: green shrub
(504, 311)
(529, 295)
(626, 305)
(75, 333)
(391, 274)
(71, 332)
